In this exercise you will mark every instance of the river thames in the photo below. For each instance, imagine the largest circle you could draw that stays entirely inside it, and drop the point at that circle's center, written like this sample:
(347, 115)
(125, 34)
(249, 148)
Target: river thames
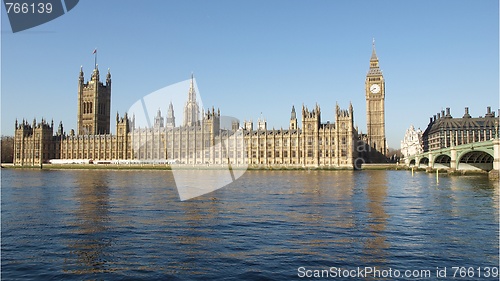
(266, 225)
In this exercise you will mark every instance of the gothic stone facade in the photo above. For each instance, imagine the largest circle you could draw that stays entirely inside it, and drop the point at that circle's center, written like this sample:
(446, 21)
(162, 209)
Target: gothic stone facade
(94, 105)
(196, 142)
(35, 143)
(202, 140)
(375, 107)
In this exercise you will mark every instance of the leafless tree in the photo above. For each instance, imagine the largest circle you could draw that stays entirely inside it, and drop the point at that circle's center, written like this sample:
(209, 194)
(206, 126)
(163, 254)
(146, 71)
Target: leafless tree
(7, 149)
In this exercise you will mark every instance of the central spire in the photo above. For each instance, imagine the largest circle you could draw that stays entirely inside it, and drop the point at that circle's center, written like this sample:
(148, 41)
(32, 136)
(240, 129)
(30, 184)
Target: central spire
(191, 109)
(192, 92)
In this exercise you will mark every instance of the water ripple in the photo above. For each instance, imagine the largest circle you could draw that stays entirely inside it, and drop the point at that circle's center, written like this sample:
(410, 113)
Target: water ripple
(130, 225)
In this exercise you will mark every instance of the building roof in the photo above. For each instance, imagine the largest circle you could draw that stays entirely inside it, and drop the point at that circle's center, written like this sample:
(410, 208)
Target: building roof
(466, 122)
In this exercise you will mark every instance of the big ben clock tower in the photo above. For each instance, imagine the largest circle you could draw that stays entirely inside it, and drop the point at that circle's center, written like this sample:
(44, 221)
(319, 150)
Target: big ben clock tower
(375, 106)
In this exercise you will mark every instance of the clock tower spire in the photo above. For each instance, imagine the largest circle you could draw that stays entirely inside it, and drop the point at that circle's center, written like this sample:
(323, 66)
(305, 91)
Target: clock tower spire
(375, 107)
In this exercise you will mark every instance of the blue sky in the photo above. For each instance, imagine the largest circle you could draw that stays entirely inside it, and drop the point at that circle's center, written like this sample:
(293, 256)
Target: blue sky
(253, 57)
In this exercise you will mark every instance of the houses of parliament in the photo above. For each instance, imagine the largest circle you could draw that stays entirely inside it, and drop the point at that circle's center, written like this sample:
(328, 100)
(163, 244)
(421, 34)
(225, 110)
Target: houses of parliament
(200, 139)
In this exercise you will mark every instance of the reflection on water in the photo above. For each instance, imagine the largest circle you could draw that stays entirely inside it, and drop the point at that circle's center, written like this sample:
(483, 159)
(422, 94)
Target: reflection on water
(76, 225)
(376, 193)
(91, 237)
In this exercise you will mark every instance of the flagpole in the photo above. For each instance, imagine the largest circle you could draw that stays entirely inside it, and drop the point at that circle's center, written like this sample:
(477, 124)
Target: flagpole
(95, 58)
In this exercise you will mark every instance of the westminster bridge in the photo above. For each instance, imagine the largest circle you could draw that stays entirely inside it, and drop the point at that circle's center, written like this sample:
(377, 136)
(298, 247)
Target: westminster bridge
(483, 155)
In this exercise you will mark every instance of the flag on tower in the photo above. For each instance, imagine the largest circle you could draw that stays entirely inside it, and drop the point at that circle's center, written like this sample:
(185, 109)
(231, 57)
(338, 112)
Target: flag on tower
(95, 58)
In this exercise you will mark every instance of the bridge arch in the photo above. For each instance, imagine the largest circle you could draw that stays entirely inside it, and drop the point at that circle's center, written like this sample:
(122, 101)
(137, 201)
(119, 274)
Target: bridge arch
(442, 161)
(475, 160)
(412, 162)
(424, 162)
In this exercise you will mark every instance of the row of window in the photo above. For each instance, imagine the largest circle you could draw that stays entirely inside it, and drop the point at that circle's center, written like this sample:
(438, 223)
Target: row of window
(253, 154)
(88, 108)
(31, 156)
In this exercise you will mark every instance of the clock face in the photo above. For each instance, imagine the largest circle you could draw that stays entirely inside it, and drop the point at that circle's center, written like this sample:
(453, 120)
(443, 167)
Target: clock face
(374, 89)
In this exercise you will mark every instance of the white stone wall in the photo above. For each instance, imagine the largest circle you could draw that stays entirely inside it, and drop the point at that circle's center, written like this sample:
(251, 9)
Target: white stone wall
(412, 142)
